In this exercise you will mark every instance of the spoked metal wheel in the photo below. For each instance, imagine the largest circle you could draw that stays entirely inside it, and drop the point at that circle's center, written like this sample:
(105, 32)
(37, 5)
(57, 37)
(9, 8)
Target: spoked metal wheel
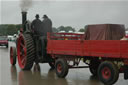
(12, 55)
(25, 51)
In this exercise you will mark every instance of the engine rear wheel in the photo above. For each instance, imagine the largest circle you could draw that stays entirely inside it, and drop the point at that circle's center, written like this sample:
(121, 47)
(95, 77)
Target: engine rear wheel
(12, 55)
(25, 51)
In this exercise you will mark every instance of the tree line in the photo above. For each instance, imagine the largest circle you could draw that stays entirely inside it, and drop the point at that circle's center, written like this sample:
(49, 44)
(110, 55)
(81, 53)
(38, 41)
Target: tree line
(10, 29)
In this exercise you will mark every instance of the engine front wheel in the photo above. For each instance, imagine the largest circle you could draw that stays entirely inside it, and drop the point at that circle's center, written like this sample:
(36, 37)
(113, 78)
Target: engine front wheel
(108, 73)
(61, 68)
(7, 46)
(25, 51)
(13, 55)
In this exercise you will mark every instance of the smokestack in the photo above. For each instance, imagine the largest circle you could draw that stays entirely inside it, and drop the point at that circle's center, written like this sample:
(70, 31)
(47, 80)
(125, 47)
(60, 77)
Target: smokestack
(24, 19)
(26, 4)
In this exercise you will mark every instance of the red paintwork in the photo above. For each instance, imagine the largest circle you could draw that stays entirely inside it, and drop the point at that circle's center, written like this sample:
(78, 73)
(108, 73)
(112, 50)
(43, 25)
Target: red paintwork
(106, 73)
(3, 42)
(59, 68)
(126, 36)
(80, 47)
(21, 52)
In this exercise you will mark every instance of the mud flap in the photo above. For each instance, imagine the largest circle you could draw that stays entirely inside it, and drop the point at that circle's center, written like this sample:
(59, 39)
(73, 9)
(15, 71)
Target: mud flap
(126, 72)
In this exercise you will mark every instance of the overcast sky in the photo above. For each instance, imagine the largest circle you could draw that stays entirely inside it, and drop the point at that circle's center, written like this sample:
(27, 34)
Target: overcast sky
(75, 13)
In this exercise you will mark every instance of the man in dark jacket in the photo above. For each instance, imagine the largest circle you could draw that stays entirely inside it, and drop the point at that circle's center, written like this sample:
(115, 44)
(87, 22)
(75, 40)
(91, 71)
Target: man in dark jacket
(47, 25)
(37, 28)
(36, 25)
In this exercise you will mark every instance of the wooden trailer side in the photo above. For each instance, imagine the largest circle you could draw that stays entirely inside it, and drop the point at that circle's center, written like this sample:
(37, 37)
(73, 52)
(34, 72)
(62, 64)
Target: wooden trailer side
(92, 48)
(64, 47)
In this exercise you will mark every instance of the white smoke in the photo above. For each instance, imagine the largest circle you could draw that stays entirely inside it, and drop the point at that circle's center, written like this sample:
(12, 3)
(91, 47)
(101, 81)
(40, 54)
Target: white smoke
(25, 5)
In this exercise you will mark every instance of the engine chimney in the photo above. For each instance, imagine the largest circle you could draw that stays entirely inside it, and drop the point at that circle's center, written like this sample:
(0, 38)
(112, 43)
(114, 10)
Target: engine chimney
(24, 19)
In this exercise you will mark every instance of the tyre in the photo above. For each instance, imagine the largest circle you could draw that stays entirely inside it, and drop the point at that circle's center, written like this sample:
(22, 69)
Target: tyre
(61, 68)
(126, 72)
(7, 46)
(108, 73)
(93, 70)
(93, 67)
(12, 55)
(25, 51)
(52, 64)
(36, 68)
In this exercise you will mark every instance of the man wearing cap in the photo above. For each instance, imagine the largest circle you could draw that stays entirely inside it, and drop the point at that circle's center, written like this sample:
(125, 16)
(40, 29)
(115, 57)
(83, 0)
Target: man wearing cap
(36, 25)
(47, 27)
(37, 29)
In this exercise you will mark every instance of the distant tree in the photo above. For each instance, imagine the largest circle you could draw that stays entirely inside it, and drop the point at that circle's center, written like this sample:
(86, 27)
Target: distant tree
(61, 28)
(66, 29)
(18, 26)
(82, 30)
(9, 29)
(3, 29)
(54, 29)
(69, 28)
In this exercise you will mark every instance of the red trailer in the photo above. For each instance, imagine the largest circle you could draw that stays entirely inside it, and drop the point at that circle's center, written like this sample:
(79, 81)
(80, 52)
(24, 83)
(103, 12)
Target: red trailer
(105, 58)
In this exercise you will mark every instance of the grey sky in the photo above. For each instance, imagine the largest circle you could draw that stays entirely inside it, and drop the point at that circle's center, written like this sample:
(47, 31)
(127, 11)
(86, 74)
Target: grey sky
(69, 13)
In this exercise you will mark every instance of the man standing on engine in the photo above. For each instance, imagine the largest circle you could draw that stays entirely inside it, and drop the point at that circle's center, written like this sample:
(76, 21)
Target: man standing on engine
(47, 27)
(36, 25)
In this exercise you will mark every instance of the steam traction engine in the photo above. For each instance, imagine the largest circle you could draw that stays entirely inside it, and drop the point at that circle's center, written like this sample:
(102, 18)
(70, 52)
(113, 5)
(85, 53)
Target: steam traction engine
(105, 58)
(28, 48)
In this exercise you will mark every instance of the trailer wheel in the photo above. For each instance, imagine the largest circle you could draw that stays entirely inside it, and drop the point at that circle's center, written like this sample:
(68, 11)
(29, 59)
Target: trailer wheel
(13, 55)
(93, 70)
(25, 51)
(61, 68)
(7, 46)
(126, 72)
(108, 73)
(94, 64)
